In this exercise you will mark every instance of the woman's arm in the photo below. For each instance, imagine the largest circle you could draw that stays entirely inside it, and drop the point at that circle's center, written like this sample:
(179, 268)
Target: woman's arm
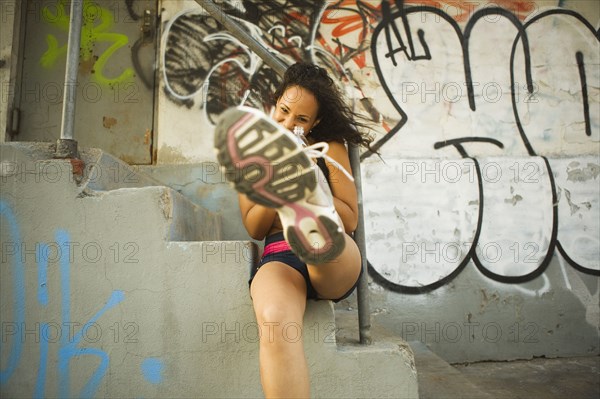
(343, 189)
(257, 219)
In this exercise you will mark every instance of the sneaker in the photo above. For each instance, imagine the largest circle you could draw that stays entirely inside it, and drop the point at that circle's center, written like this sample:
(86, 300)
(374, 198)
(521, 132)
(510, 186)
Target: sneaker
(265, 161)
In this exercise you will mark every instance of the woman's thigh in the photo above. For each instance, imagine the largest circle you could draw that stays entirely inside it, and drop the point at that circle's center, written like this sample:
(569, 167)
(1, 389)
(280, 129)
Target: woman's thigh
(278, 294)
(332, 280)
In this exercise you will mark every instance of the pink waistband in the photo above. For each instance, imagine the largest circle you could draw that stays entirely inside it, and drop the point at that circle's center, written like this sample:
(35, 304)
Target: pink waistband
(275, 247)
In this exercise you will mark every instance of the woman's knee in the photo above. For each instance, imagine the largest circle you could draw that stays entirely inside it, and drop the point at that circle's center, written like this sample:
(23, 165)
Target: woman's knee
(277, 313)
(277, 323)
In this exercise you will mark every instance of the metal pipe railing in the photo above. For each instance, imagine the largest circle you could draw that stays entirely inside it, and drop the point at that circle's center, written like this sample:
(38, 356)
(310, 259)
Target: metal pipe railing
(67, 146)
(362, 291)
(364, 313)
(243, 36)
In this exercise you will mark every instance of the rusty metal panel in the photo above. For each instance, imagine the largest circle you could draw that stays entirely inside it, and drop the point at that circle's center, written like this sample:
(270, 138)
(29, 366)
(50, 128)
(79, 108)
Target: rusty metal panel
(115, 88)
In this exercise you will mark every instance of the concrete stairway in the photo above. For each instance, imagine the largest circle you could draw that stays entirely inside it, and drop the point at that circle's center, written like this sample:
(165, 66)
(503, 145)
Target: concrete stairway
(113, 285)
(438, 379)
(547, 378)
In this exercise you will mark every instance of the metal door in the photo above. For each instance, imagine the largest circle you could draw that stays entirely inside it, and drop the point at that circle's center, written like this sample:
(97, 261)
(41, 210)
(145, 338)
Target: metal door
(116, 79)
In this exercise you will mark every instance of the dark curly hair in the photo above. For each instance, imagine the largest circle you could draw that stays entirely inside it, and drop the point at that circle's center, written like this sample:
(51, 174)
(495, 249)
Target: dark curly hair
(338, 121)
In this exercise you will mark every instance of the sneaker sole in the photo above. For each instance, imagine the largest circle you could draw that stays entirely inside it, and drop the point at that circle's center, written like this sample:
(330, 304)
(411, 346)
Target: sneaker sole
(265, 163)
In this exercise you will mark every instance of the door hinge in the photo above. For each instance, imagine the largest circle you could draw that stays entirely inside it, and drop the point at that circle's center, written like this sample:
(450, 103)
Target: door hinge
(15, 119)
(148, 26)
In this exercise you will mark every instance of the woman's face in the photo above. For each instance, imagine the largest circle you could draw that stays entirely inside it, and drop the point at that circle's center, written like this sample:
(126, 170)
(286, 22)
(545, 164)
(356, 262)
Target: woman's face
(297, 107)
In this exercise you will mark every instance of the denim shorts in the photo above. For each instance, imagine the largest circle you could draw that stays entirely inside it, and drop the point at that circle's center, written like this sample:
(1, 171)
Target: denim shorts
(290, 259)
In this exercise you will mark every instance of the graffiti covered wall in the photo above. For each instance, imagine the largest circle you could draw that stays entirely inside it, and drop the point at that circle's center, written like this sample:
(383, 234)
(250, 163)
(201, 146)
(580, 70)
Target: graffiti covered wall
(486, 118)
(474, 67)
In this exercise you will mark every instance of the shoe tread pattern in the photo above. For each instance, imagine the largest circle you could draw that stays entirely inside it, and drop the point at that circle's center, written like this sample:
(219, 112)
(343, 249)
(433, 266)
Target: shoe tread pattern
(288, 183)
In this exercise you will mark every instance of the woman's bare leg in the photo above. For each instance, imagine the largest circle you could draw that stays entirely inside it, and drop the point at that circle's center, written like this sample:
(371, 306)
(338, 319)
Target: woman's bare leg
(279, 298)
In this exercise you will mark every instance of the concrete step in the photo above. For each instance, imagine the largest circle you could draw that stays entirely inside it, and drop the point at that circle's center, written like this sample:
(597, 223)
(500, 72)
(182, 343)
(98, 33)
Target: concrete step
(438, 379)
(542, 378)
(205, 185)
(101, 170)
(104, 172)
(105, 176)
(98, 299)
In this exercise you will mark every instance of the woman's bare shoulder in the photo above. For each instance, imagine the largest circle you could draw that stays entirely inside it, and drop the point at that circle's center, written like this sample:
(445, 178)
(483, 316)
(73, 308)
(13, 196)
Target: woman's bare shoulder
(338, 152)
(337, 149)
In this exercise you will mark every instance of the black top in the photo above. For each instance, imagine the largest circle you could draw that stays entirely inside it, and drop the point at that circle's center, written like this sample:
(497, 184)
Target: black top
(323, 166)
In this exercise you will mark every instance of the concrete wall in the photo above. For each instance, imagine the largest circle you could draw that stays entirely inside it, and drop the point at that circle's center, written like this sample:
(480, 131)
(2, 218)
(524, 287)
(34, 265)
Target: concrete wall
(467, 250)
(482, 215)
(10, 62)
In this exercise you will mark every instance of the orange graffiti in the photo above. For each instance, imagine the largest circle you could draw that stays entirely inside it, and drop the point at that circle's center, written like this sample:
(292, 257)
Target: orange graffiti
(363, 20)
(350, 23)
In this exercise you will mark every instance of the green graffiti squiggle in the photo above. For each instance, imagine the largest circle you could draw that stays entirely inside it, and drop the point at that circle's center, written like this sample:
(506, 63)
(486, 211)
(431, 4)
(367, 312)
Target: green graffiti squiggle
(90, 35)
(49, 57)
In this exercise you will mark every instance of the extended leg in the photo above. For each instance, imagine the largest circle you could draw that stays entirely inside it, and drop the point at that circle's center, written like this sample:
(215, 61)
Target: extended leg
(279, 299)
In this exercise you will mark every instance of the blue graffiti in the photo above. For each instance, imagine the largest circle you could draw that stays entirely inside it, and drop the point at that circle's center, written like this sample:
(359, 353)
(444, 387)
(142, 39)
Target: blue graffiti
(18, 273)
(152, 369)
(69, 344)
(68, 348)
(42, 274)
(40, 382)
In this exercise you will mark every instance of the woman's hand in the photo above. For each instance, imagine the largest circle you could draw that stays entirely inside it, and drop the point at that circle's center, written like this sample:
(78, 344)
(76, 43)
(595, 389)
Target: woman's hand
(257, 219)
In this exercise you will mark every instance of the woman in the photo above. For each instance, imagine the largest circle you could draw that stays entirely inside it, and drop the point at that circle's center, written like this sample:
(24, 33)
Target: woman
(305, 208)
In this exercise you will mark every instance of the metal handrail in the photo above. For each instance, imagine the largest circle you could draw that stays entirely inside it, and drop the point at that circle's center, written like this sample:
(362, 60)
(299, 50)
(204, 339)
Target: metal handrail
(364, 313)
(362, 291)
(243, 36)
(66, 146)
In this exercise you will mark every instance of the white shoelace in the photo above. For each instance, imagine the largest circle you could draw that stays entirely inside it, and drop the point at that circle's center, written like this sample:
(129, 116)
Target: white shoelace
(312, 151)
